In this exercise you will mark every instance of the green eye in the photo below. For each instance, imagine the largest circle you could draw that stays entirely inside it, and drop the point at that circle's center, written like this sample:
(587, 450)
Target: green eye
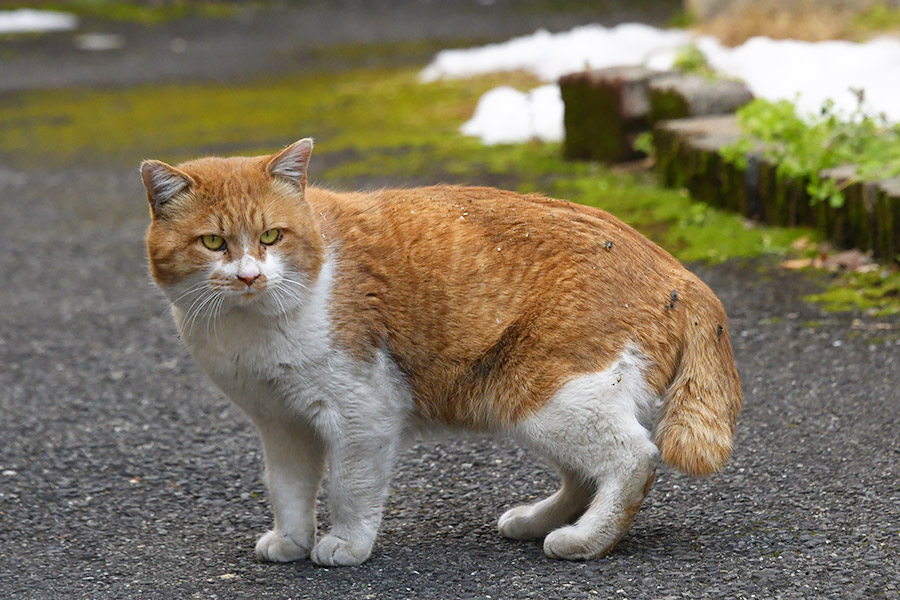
(270, 237)
(213, 242)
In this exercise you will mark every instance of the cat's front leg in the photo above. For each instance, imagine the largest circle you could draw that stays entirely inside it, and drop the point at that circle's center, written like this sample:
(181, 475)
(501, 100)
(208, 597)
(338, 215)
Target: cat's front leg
(360, 468)
(294, 464)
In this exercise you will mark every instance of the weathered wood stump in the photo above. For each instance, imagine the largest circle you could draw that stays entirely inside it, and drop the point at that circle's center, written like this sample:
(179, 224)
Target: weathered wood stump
(687, 155)
(605, 110)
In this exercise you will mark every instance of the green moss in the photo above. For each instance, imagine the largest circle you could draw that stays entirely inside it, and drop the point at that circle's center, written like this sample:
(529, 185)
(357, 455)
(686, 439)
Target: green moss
(875, 293)
(593, 124)
(667, 104)
(148, 13)
(361, 109)
(878, 17)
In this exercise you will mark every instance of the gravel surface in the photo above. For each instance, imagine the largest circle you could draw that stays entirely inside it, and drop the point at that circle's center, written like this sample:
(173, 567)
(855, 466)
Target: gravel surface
(125, 474)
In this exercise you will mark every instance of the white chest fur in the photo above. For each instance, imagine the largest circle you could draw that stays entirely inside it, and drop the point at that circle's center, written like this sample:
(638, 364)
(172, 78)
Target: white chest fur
(288, 366)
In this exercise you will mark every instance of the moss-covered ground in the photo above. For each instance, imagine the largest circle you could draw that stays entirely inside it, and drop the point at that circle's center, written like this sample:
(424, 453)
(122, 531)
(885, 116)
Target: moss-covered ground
(148, 13)
(875, 293)
(377, 127)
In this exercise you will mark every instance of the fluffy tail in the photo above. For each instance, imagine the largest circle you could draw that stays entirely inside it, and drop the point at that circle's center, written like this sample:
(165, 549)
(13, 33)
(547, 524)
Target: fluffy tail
(704, 398)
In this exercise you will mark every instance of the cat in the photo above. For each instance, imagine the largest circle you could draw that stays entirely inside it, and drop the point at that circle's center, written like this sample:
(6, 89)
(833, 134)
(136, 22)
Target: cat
(344, 324)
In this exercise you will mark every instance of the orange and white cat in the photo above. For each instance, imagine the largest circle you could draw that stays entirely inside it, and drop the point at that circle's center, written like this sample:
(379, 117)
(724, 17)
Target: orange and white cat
(345, 324)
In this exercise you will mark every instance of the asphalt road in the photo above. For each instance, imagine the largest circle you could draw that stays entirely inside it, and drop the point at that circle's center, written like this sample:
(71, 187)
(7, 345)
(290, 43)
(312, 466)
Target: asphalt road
(125, 474)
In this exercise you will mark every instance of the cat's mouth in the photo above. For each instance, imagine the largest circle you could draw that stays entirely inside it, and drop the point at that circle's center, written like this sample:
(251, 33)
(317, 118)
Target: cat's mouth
(249, 294)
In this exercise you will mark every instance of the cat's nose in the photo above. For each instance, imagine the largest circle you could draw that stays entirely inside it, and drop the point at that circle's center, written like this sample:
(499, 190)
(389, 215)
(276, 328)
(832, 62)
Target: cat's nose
(248, 279)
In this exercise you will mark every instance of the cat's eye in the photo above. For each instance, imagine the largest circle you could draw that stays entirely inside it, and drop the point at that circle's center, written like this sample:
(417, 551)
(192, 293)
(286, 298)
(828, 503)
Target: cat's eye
(213, 242)
(270, 237)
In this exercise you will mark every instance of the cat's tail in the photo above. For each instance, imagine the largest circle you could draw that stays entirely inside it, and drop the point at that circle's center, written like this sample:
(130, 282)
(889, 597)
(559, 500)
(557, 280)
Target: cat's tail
(704, 398)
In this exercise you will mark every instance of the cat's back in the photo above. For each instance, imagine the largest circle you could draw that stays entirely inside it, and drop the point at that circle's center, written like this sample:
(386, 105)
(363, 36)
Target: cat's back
(479, 236)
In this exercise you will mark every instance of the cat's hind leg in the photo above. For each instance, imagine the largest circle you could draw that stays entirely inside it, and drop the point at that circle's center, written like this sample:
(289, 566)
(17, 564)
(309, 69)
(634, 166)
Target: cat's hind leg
(537, 520)
(294, 463)
(596, 426)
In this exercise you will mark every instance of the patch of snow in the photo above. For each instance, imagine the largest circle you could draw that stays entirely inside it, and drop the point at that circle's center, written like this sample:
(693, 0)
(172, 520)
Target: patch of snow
(812, 72)
(806, 72)
(505, 115)
(27, 20)
(551, 55)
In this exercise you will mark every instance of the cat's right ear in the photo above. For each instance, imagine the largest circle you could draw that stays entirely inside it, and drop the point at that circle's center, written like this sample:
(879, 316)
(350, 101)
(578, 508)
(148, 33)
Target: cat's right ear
(290, 164)
(163, 182)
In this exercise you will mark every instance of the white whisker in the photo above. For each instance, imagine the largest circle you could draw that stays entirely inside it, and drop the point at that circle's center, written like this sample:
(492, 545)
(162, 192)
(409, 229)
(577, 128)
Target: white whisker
(189, 312)
(211, 311)
(209, 296)
(217, 314)
(289, 280)
(191, 290)
(293, 294)
(276, 295)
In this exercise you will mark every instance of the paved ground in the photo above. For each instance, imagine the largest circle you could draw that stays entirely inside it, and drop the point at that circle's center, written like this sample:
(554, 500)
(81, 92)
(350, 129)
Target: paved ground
(125, 474)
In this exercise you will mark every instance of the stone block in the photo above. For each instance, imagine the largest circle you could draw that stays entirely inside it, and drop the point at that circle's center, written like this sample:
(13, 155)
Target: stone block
(678, 96)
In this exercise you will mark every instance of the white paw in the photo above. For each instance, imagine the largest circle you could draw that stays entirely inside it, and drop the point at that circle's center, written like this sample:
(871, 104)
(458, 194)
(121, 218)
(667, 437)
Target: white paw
(276, 547)
(332, 551)
(519, 523)
(568, 543)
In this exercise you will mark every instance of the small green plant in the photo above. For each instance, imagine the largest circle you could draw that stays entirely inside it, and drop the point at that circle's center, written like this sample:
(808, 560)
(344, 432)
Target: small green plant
(690, 59)
(802, 148)
(644, 142)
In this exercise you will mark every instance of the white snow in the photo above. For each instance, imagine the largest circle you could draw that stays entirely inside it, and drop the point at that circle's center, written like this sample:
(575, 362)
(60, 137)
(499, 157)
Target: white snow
(805, 72)
(551, 55)
(506, 115)
(27, 20)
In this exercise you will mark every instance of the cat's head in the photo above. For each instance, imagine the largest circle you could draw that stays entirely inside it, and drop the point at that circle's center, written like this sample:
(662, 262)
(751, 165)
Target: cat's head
(233, 232)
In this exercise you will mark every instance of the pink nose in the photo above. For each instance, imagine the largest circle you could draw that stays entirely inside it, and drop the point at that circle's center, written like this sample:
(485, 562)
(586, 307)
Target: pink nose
(248, 279)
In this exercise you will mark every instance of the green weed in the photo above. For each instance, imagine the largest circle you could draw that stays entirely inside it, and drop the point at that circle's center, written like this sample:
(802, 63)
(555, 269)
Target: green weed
(803, 148)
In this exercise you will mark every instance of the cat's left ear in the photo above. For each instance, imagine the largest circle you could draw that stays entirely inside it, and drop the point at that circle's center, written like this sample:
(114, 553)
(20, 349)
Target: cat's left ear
(291, 163)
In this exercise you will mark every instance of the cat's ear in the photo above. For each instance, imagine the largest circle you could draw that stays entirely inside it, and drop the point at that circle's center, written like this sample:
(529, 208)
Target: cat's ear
(163, 182)
(291, 163)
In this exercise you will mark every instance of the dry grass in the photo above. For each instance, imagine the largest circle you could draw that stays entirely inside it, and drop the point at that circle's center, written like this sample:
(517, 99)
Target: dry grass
(808, 20)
